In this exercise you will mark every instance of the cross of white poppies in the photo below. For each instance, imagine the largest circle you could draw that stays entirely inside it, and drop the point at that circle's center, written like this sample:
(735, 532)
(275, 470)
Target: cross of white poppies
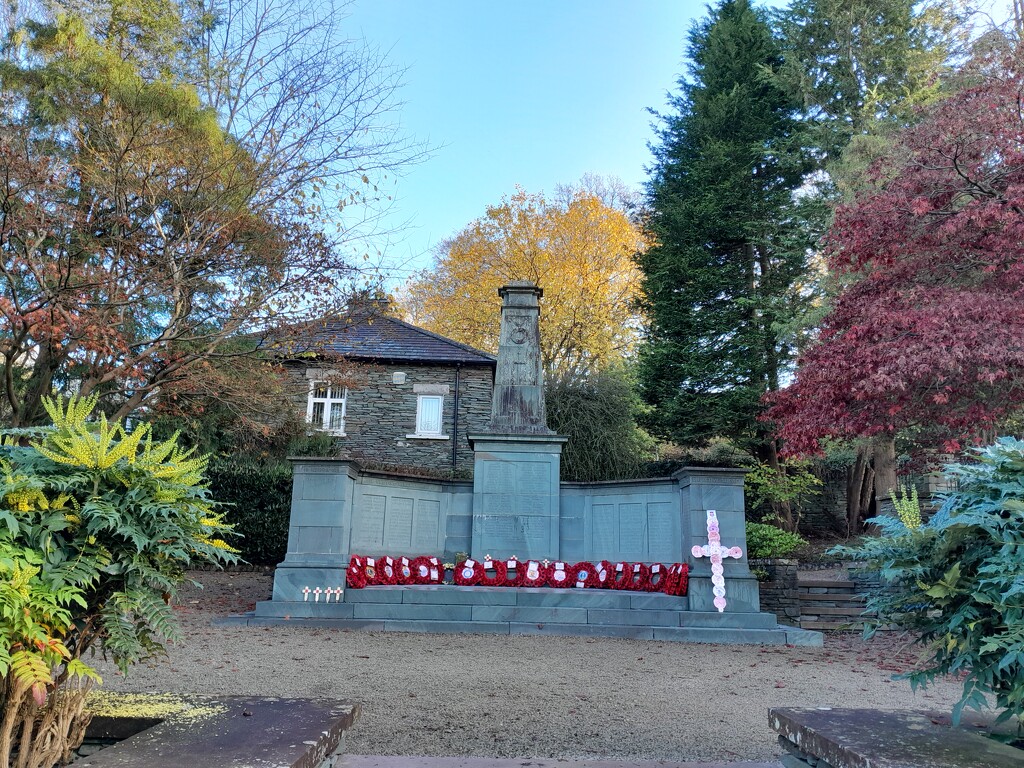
(715, 551)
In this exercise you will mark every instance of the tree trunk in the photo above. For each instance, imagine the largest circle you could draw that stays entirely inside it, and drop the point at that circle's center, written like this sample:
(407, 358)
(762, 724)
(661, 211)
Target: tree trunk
(783, 510)
(884, 457)
(855, 477)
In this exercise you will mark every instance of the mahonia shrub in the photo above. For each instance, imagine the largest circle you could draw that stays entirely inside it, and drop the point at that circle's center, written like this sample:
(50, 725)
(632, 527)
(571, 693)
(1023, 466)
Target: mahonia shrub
(958, 580)
(98, 525)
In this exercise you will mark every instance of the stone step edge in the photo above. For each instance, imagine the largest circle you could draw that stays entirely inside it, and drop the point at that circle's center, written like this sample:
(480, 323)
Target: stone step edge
(778, 635)
(829, 610)
(819, 583)
(418, 761)
(806, 597)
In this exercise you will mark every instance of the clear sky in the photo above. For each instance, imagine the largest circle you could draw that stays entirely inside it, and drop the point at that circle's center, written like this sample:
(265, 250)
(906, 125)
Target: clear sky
(528, 92)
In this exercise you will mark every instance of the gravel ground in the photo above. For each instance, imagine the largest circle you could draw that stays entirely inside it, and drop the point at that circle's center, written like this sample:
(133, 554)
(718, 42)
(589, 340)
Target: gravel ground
(527, 696)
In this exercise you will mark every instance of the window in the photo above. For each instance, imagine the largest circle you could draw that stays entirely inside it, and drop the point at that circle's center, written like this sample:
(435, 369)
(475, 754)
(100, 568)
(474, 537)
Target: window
(429, 409)
(325, 408)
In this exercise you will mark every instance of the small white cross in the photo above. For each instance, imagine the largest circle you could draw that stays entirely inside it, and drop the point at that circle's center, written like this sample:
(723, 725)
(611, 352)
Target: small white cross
(316, 595)
(715, 551)
(329, 591)
(305, 594)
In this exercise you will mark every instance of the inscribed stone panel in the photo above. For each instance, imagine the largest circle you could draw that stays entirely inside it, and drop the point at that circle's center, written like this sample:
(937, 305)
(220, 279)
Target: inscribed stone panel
(532, 504)
(398, 524)
(605, 524)
(368, 522)
(428, 522)
(504, 534)
(662, 540)
(319, 487)
(534, 475)
(632, 531)
(317, 540)
(536, 533)
(498, 504)
(499, 477)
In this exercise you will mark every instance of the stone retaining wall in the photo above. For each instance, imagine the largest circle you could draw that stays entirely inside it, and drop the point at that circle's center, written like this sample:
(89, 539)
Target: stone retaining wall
(779, 592)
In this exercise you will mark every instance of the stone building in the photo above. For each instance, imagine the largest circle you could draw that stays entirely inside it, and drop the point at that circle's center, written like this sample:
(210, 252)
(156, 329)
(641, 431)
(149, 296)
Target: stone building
(392, 394)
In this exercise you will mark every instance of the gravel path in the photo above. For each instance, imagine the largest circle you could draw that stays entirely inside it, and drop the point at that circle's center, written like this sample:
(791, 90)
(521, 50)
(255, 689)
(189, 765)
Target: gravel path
(527, 696)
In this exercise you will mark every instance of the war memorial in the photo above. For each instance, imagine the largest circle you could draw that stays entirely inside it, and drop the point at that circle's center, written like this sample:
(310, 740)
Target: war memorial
(516, 511)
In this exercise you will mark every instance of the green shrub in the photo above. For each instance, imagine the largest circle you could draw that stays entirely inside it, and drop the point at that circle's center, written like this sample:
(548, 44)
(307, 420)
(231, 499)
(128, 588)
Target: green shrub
(768, 541)
(97, 528)
(958, 580)
(598, 414)
(257, 497)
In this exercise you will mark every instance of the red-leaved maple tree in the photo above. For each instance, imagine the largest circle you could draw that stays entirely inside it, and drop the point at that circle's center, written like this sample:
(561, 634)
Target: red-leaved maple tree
(928, 334)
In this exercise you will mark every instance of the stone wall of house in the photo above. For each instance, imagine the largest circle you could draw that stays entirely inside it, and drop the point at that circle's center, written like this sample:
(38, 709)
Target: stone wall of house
(380, 414)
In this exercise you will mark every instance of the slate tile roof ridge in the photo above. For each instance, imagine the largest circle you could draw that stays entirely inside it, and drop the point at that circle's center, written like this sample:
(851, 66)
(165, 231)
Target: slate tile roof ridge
(371, 335)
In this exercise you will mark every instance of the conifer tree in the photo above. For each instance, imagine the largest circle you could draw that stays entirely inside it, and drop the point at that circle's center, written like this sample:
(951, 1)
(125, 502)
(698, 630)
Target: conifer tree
(724, 274)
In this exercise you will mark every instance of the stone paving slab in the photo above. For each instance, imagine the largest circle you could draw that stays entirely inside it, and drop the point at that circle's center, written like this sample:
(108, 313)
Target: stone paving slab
(219, 731)
(410, 761)
(871, 738)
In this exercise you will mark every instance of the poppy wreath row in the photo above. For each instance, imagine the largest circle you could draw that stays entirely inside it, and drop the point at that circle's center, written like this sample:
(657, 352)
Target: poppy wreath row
(383, 571)
(672, 579)
(637, 577)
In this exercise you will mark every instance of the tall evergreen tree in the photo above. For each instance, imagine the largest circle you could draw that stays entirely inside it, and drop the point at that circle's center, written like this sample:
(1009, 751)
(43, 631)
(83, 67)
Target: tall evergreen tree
(724, 275)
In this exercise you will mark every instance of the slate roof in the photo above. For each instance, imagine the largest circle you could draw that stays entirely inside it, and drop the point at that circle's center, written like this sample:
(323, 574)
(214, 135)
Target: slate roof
(382, 337)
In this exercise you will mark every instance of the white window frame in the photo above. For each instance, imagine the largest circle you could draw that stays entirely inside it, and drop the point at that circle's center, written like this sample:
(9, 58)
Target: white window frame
(421, 432)
(328, 402)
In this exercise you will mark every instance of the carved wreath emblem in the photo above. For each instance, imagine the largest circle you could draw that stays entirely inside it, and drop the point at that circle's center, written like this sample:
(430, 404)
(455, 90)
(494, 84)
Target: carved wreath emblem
(518, 333)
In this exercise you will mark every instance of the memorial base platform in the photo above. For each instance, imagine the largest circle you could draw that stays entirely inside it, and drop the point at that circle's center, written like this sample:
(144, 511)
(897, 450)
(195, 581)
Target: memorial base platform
(526, 611)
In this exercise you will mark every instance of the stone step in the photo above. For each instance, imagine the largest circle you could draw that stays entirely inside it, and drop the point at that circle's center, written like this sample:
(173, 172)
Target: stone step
(522, 596)
(833, 598)
(829, 610)
(417, 761)
(826, 584)
(775, 635)
(852, 624)
(467, 613)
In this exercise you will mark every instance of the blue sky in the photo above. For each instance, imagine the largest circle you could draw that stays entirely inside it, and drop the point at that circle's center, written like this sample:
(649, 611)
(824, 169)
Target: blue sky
(525, 92)
(528, 92)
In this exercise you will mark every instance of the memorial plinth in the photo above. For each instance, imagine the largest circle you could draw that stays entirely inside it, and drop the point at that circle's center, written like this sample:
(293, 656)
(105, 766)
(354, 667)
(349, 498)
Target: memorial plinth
(518, 460)
(515, 496)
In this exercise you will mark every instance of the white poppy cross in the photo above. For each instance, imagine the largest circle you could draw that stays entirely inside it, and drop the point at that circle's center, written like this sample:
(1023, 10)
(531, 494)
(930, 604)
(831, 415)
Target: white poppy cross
(715, 551)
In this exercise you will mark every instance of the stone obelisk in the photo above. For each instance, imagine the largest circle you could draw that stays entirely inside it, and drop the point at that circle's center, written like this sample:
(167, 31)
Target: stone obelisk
(517, 461)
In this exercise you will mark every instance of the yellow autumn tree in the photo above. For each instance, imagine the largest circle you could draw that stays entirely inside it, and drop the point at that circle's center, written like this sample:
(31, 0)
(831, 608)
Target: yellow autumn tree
(579, 248)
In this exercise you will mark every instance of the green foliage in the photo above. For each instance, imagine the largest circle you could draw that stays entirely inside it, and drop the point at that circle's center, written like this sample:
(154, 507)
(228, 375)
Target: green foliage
(256, 496)
(727, 268)
(766, 541)
(598, 414)
(115, 516)
(791, 484)
(908, 506)
(34, 618)
(958, 580)
(719, 452)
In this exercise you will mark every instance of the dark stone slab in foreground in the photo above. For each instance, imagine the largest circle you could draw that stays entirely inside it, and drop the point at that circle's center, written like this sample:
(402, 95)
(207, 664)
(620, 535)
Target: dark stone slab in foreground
(870, 738)
(235, 732)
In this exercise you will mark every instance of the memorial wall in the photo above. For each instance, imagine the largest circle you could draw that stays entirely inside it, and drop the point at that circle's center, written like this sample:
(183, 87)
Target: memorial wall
(515, 505)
